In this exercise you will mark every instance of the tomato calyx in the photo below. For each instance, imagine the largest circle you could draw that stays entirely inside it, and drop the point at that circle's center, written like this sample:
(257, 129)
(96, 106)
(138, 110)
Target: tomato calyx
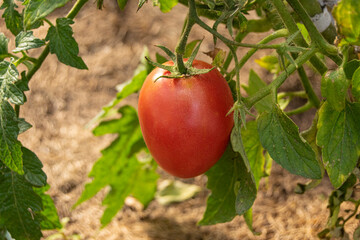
(239, 109)
(175, 71)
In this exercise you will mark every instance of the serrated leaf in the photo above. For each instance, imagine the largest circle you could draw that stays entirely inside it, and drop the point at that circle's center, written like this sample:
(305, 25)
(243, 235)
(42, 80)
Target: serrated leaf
(3, 46)
(63, 44)
(13, 19)
(49, 216)
(167, 5)
(10, 147)
(119, 166)
(279, 135)
(19, 206)
(122, 4)
(347, 15)
(355, 88)
(255, 84)
(26, 40)
(170, 191)
(231, 194)
(334, 87)
(8, 79)
(36, 10)
(339, 137)
(33, 168)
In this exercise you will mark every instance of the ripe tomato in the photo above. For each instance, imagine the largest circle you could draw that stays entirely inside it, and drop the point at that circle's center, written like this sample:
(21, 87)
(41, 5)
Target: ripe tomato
(183, 120)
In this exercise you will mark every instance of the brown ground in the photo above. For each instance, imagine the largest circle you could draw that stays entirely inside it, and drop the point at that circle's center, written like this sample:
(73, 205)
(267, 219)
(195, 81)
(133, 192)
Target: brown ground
(63, 100)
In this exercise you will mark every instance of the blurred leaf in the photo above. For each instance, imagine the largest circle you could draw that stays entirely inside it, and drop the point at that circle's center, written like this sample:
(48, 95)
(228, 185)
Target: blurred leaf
(219, 58)
(10, 147)
(26, 40)
(355, 88)
(356, 234)
(254, 150)
(3, 45)
(19, 206)
(270, 63)
(232, 189)
(190, 48)
(279, 135)
(334, 85)
(347, 15)
(255, 84)
(210, 3)
(351, 67)
(304, 32)
(248, 216)
(339, 136)
(119, 167)
(167, 5)
(127, 88)
(36, 10)
(160, 58)
(13, 19)
(170, 191)
(8, 88)
(140, 4)
(49, 216)
(122, 4)
(63, 44)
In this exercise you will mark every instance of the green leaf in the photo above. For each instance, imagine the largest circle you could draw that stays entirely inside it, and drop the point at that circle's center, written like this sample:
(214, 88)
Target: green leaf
(334, 85)
(254, 150)
(26, 40)
(255, 84)
(49, 216)
(63, 44)
(167, 5)
(339, 137)
(170, 191)
(10, 147)
(119, 166)
(351, 67)
(190, 48)
(33, 168)
(23, 125)
(3, 46)
(355, 88)
(356, 235)
(36, 10)
(347, 15)
(140, 4)
(127, 88)
(279, 135)
(19, 206)
(232, 192)
(122, 4)
(8, 79)
(13, 19)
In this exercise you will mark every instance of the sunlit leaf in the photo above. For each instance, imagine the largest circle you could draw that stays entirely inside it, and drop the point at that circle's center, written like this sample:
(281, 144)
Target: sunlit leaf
(26, 40)
(13, 19)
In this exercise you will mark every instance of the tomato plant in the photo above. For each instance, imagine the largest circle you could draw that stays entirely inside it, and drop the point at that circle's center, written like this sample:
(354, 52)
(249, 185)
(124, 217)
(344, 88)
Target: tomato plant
(184, 120)
(183, 110)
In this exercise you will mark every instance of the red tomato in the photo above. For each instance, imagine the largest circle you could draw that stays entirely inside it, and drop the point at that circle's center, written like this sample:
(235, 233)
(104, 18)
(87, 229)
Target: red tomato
(183, 120)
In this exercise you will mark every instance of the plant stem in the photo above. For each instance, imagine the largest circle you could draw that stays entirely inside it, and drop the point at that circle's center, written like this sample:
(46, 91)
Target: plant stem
(293, 29)
(250, 101)
(313, 99)
(17, 110)
(72, 13)
(301, 94)
(301, 109)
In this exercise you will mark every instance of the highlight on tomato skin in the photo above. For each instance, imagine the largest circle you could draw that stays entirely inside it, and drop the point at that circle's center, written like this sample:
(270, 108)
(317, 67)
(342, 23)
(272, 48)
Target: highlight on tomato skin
(184, 121)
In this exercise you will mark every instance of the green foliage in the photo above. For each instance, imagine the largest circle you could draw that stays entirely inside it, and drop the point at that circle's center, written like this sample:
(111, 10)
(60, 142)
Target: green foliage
(339, 136)
(347, 15)
(13, 19)
(280, 137)
(120, 167)
(355, 88)
(334, 87)
(62, 43)
(26, 40)
(232, 191)
(172, 191)
(167, 5)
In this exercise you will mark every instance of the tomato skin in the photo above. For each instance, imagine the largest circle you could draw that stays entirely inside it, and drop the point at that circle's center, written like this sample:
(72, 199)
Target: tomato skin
(184, 120)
